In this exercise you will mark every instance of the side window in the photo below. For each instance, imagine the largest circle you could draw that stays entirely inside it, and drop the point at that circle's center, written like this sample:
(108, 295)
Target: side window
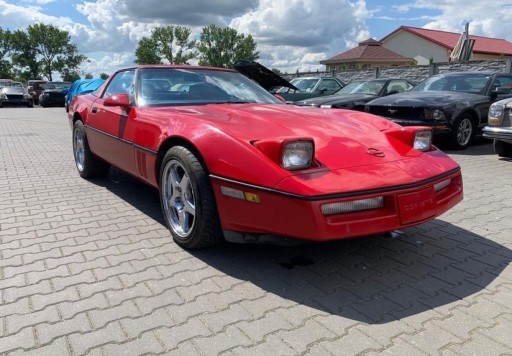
(122, 83)
(503, 82)
(329, 84)
(399, 86)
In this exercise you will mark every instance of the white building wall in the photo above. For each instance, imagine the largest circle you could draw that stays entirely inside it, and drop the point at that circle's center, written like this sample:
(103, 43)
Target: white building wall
(412, 46)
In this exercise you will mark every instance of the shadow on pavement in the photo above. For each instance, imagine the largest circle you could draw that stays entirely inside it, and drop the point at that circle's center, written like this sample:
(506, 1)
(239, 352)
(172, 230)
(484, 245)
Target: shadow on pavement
(375, 279)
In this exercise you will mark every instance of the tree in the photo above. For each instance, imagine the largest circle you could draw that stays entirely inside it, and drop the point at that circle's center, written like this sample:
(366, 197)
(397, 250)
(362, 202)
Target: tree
(88, 76)
(104, 76)
(54, 49)
(222, 47)
(24, 56)
(5, 49)
(146, 52)
(169, 43)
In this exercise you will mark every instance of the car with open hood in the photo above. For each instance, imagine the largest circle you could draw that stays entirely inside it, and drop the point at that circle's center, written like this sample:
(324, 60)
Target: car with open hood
(357, 93)
(231, 161)
(14, 94)
(455, 105)
(297, 89)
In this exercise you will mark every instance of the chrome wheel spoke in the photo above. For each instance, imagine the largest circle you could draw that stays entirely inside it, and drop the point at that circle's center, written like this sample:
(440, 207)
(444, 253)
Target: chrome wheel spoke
(179, 200)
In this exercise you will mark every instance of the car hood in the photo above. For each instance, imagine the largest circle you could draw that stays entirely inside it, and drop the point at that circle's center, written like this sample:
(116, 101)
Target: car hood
(12, 90)
(334, 99)
(426, 99)
(262, 75)
(342, 137)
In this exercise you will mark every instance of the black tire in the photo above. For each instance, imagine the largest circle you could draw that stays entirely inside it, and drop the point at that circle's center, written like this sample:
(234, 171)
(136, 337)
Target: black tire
(87, 164)
(187, 200)
(463, 132)
(503, 149)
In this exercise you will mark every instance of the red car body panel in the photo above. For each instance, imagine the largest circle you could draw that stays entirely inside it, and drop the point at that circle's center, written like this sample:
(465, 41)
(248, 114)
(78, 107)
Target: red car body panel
(357, 155)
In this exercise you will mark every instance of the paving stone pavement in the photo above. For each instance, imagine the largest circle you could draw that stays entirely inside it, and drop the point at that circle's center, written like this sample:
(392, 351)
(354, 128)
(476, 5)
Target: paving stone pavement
(87, 267)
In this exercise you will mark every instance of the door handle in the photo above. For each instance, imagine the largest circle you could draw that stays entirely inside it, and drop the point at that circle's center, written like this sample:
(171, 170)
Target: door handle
(94, 109)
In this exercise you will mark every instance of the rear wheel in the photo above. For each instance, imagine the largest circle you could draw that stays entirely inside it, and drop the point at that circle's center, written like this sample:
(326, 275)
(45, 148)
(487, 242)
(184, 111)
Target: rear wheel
(463, 132)
(187, 199)
(88, 165)
(503, 149)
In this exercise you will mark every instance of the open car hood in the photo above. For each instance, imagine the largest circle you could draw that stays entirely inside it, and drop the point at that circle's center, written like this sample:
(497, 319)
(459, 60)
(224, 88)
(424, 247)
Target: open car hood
(262, 75)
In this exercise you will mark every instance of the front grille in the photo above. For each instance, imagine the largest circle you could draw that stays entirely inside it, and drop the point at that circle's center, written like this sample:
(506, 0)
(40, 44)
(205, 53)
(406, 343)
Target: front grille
(398, 112)
(55, 95)
(15, 96)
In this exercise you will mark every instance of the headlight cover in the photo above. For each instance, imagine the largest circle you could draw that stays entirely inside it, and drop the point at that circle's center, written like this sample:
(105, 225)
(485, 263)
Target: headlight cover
(435, 114)
(3, 96)
(297, 154)
(496, 112)
(423, 140)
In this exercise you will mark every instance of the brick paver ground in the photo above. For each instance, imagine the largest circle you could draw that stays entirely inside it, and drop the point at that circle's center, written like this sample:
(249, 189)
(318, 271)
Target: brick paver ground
(87, 267)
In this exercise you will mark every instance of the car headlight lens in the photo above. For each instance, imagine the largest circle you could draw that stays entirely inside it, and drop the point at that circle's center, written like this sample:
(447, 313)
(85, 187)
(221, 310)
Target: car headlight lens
(297, 155)
(26, 96)
(496, 112)
(438, 115)
(3, 96)
(423, 140)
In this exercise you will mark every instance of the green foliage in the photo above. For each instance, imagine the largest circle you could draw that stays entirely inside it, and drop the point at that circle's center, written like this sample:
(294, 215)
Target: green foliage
(222, 47)
(277, 71)
(5, 49)
(146, 52)
(104, 76)
(39, 51)
(169, 43)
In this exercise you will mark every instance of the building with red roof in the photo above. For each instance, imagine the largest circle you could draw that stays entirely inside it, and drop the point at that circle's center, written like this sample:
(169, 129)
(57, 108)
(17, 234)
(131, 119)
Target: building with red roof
(368, 54)
(425, 45)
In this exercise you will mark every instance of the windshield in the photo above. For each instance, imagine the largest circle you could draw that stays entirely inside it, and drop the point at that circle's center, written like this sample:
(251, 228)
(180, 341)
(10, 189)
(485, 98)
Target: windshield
(468, 82)
(372, 87)
(11, 84)
(56, 85)
(175, 86)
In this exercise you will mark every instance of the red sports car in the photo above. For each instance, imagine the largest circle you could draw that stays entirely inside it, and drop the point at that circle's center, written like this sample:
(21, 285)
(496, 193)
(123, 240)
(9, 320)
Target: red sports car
(231, 160)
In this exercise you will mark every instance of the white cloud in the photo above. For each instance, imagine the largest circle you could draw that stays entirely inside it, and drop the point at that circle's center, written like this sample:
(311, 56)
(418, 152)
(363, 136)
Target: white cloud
(291, 35)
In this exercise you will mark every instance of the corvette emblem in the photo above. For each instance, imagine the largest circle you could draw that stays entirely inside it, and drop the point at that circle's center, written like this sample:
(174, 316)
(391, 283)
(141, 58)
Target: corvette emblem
(375, 152)
(392, 111)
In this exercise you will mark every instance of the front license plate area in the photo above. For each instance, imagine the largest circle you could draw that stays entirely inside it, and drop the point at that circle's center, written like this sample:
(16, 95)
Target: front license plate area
(417, 206)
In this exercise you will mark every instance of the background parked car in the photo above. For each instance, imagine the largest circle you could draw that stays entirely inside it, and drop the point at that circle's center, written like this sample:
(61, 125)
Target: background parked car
(81, 86)
(455, 104)
(15, 94)
(310, 87)
(53, 94)
(499, 127)
(357, 93)
(262, 75)
(35, 88)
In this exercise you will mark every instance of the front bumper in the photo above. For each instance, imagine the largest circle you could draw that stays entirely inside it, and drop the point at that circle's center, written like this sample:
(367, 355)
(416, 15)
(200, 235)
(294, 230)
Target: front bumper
(301, 217)
(498, 133)
(437, 127)
(15, 102)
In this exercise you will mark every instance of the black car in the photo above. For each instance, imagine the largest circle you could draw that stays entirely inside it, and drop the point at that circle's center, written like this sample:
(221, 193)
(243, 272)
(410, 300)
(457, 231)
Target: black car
(455, 104)
(54, 94)
(357, 93)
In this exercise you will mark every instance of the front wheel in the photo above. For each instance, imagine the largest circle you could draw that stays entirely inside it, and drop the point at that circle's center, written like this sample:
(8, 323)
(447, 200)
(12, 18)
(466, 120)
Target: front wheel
(463, 132)
(88, 165)
(503, 149)
(187, 199)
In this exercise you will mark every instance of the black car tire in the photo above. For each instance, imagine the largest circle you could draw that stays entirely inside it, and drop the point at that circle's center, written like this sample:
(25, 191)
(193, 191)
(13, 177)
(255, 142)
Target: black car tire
(187, 200)
(463, 131)
(87, 164)
(503, 149)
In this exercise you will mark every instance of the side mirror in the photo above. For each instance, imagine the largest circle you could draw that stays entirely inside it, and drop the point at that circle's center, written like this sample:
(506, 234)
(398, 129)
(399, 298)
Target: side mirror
(122, 100)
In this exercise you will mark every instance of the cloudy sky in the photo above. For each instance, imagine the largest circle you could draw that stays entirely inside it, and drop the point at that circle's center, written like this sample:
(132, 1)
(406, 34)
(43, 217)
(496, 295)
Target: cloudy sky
(291, 34)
